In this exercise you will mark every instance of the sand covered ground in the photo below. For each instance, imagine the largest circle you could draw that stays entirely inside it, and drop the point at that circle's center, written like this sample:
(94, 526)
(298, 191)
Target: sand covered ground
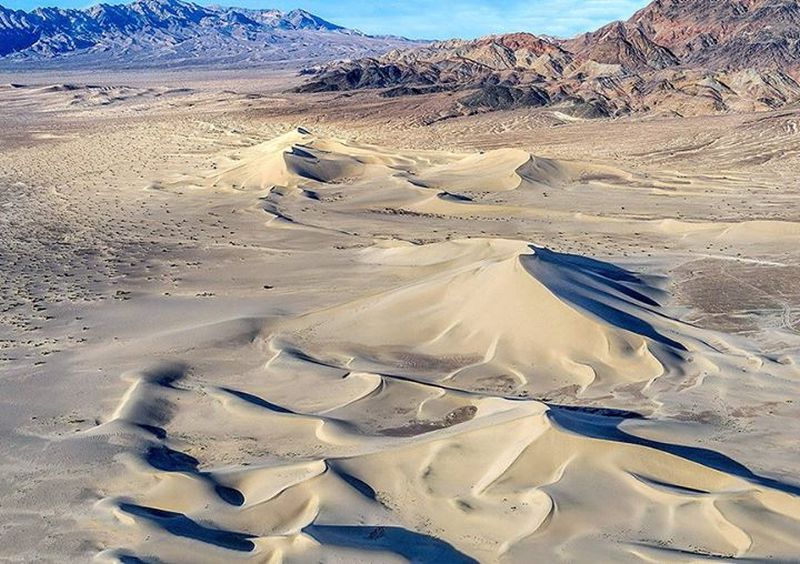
(243, 325)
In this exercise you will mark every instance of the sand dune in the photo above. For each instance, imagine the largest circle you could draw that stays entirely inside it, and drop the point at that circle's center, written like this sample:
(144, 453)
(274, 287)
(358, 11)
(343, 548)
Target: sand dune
(383, 452)
(475, 476)
(490, 322)
(495, 171)
(299, 170)
(461, 414)
(286, 344)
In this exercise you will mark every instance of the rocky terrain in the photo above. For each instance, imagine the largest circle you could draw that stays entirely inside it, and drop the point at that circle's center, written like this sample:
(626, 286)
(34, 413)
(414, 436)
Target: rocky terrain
(159, 33)
(760, 34)
(676, 56)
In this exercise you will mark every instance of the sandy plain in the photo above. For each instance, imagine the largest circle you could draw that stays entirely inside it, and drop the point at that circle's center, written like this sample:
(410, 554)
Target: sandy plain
(245, 325)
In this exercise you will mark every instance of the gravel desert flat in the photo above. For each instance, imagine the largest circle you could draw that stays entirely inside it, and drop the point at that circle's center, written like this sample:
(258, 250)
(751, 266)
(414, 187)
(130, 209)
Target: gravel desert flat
(242, 319)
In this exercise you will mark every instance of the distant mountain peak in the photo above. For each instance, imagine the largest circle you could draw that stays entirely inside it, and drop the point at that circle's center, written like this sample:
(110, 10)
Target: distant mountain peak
(165, 32)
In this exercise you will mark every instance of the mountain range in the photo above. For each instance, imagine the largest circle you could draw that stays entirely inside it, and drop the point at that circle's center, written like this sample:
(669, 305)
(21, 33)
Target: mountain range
(676, 56)
(681, 56)
(159, 33)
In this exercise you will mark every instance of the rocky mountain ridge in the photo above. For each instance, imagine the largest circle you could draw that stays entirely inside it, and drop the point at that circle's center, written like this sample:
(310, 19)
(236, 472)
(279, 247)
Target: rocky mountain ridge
(177, 33)
(682, 56)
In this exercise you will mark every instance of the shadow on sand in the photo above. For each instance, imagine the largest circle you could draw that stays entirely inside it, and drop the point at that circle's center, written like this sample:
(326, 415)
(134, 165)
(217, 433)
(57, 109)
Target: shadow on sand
(416, 547)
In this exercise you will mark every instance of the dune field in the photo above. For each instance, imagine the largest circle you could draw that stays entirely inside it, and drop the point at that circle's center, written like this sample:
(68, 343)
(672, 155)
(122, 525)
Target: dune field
(237, 326)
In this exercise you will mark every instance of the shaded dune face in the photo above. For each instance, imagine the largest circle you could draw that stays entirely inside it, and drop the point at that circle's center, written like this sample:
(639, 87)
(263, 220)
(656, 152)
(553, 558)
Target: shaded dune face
(486, 407)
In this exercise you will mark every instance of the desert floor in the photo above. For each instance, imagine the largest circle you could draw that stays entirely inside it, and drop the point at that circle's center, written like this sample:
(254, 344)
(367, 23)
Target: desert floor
(238, 324)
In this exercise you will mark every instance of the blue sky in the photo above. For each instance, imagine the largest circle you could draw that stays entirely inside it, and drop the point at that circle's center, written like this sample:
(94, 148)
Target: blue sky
(435, 19)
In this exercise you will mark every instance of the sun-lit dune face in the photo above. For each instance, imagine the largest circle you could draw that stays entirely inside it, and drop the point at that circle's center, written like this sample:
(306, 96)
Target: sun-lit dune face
(393, 462)
(259, 167)
(331, 183)
(495, 171)
(298, 157)
(274, 290)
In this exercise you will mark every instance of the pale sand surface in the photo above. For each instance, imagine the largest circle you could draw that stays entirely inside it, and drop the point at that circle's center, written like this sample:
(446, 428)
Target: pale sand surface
(242, 325)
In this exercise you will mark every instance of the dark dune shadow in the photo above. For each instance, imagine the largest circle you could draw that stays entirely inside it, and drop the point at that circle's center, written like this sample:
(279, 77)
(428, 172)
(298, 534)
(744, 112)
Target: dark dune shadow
(684, 554)
(261, 402)
(304, 356)
(357, 484)
(610, 278)
(153, 413)
(180, 525)
(588, 264)
(453, 197)
(600, 411)
(133, 559)
(416, 547)
(165, 374)
(156, 431)
(271, 207)
(604, 275)
(607, 428)
(622, 320)
(302, 151)
(232, 496)
(255, 400)
(168, 460)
